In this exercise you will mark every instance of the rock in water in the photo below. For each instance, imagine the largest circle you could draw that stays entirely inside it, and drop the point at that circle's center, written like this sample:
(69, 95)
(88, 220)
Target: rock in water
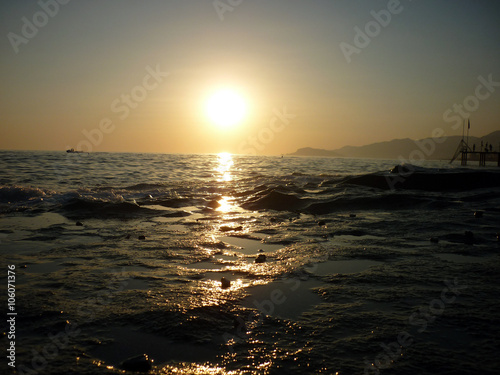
(260, 259)
(140, 363)
(213, 204)
(227, 228)
(322, 223)
(478, 214)
(142, 238)
(225, 283)
(79, 224)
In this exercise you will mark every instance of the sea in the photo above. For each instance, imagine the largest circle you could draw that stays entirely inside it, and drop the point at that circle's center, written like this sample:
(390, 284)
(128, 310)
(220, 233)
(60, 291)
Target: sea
(118, 263)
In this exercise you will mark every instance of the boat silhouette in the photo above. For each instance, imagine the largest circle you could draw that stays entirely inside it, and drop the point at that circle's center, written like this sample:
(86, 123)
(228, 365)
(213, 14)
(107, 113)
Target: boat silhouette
(73, 151)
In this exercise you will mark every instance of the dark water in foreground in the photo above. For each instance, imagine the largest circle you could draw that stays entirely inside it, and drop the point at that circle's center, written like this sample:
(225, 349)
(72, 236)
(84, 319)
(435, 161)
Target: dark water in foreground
(351, 282)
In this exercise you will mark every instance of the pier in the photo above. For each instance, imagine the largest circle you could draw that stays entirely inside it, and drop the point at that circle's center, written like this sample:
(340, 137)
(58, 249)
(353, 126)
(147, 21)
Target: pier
(482, 156)
(469, 153)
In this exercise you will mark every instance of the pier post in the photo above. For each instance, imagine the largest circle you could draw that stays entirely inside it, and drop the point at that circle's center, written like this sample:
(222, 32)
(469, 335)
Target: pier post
(483, 156)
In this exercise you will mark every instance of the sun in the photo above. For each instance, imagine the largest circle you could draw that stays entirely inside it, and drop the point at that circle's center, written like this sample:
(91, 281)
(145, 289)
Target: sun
(226, 107)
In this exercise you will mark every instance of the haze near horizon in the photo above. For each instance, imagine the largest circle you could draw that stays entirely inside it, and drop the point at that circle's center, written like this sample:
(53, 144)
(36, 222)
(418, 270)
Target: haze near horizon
(245, 76)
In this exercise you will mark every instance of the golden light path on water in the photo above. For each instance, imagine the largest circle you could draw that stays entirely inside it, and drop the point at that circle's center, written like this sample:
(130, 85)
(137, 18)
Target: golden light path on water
(196, 369)
(225, 205)
(209, 291)
(236, 264)
(225, 163)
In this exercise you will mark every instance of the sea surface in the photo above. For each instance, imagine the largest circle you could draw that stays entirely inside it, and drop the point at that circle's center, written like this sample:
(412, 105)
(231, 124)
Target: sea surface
(330, 266)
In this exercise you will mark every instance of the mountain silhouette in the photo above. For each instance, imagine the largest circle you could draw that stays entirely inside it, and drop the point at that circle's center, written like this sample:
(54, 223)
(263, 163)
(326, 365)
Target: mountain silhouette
(432, 148)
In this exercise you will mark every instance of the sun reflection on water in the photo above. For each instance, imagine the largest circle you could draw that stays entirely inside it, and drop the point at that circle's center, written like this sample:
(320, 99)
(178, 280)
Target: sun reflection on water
(225, 205)
(225, 162)
(197, 369)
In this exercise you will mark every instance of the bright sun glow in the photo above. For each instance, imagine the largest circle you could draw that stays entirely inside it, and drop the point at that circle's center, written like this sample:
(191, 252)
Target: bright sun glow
(226, 108)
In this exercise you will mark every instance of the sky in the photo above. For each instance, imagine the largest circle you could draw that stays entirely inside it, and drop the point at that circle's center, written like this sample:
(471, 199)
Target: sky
(135, 76)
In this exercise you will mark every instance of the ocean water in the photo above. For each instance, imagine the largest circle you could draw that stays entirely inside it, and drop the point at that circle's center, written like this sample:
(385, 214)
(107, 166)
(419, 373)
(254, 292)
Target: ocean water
(331, 266)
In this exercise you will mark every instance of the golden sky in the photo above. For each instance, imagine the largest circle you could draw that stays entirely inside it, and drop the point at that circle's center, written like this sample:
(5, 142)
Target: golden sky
(136, 76)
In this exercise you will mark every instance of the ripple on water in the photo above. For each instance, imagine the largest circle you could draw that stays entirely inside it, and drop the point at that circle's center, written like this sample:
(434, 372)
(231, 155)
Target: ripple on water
(46, 267)
(10, 247)
(206, 265)
(344, 267)
(250, 246)
(457, 258)
(287, 298)
(127, 342)
(44, 220)
(135, 284)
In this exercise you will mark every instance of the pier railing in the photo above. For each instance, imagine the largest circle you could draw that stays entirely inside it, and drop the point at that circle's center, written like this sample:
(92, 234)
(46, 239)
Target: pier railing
(481, 156)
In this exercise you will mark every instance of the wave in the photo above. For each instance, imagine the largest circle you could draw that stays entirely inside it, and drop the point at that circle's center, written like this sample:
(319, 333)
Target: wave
(13, 194)
(145, 187)
(403, 177)
(404, 187)
(387, 202)
(178, 202)
(81, 207)
(276, 200)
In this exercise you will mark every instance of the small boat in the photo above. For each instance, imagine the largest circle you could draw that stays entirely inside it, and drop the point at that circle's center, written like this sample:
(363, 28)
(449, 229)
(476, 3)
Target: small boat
(72, 151)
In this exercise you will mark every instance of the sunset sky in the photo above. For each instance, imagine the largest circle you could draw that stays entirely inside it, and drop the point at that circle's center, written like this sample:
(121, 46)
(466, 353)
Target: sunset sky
(136, 76)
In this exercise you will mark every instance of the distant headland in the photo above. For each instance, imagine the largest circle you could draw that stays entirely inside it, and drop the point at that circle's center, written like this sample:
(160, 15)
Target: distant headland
(433, 149)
